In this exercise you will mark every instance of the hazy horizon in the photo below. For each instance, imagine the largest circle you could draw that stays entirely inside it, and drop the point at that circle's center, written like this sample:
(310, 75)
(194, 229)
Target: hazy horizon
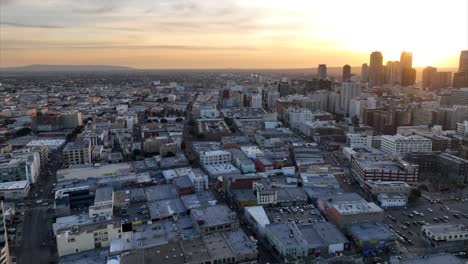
(196, 34)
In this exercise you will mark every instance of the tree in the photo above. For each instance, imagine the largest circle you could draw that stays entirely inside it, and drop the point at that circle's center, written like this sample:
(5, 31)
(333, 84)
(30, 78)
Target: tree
(179, 119)
(23, 132)
(163, 120)
(355, 121)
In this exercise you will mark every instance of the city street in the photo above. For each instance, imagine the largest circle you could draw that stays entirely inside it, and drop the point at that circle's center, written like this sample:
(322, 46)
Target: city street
(34, 243)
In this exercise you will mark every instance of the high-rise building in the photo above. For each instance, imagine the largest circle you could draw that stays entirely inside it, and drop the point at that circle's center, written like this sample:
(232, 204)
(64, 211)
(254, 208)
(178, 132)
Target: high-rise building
(375, 69)
(346, 73)
(365, 72)
(460, 79)
(427, 75)
(441, 80)
(463, 64)
(393, 72)
(349, 90)
(322, 72)
(284, 87)
(408, 74)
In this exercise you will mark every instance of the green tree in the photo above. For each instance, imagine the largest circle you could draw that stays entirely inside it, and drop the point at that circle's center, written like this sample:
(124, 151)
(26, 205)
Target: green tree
(179, 119)
(163, 120)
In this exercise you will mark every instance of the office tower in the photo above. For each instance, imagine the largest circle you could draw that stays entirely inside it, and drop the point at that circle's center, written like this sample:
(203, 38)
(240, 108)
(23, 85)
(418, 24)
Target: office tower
(365, 72)
(463, 64)
(406, 59)
(393, 72)
(441, 80)
(284, 87)
(375, 69)
(346, 73)
(322, 72)
(460, 79)
(408, 74)
(349, 90)
(427, 75)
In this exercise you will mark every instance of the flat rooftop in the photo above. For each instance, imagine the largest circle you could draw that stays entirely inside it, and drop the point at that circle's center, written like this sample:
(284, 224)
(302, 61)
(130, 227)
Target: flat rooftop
(83, 172)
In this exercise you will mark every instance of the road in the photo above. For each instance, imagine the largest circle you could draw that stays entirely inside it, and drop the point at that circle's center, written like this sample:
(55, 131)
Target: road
(34, 244)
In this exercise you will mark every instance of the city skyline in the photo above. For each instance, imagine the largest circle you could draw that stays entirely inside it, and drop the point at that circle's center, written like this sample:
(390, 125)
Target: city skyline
(231, 34)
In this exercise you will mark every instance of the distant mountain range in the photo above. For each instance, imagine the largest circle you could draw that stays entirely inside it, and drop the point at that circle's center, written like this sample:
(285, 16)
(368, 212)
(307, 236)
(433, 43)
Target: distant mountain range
(45, 67)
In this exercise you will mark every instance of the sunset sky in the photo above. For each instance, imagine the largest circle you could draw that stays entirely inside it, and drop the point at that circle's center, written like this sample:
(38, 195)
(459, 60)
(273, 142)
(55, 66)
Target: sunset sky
(230, 33)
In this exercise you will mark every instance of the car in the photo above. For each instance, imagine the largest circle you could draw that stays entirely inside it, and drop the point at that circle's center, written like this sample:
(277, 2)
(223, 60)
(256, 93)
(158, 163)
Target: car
(430, 210)
(421, 214)
(411, 215)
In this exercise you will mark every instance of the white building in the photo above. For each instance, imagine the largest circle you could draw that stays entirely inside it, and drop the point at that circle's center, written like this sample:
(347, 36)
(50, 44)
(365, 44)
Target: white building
(445, 232)
(462, 129)
(349, 90)
(14, 190)
(298, 116)
(256, 101)
(86, 236)
(392, 200)
(199, 180)
(400, 145)
(257, 218)
(51, 144)
(75, 153)
(266, 197)
(358, 140)
(209, 112)
(214, 157)
(253, 152)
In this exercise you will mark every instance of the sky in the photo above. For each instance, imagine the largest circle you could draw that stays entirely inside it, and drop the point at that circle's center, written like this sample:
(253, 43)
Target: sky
(230, 33)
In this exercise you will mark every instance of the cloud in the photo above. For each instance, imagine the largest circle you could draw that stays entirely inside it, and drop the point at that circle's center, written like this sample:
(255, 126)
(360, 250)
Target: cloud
(24, 25)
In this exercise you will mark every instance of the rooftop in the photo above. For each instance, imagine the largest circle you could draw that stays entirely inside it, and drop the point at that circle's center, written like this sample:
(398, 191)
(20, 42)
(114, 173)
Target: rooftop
(372, 231)
(214, 216)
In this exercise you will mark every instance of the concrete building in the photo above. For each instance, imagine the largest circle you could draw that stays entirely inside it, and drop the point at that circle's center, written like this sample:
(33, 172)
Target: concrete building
(364, 72)
(287, 239)
(344, 213)
(376, 69)
(440, 235)
(257, 218)
(242, 162)
(462, 129)
(322, 72)
(15, 190)
(427, 76)
(218, 218)
(24, 166)
(75, 153)
(76, 234)
(256, 101)
(400, 145)
(324, 238)
(346, 73)
(381, 167)
(392, 200)
(214, 157)
(387, 187)
(349, 90)
(372, 237)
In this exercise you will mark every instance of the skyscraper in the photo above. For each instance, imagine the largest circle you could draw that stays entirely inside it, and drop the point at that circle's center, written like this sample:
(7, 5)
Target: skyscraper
(463, 65)
(460, 79)
(440, 80)
(284, 87)
(375, 69)
(365, 72)
(322, 72)
(346, 73)
(393, 72)
(427, 74)
(408, 74)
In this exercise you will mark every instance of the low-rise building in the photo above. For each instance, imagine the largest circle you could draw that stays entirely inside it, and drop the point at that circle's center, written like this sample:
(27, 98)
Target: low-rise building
(287, 239)
(392, 200)
(242, 162)
(324, 238)
(14, 190)
(388, 187)
(215, 157)
(372, 237)
(257, 218)
(86, 235)
(443, 235)
(218, 218)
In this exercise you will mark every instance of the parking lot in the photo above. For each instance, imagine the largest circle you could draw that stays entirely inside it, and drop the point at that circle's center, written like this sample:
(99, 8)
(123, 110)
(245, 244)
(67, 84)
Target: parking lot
(407, 223)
